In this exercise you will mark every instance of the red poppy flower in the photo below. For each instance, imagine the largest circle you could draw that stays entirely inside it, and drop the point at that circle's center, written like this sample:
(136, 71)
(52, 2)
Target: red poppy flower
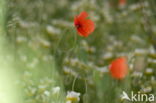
(122, 2)
(84, 26)
(119, 68)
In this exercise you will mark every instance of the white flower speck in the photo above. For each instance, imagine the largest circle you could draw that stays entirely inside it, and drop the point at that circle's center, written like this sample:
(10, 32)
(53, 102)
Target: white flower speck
(72, 96)
(56, 90)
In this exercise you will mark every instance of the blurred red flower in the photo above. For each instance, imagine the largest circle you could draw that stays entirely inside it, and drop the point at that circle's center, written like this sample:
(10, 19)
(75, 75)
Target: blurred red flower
(119, 68)
(122, 2)
(84, 26)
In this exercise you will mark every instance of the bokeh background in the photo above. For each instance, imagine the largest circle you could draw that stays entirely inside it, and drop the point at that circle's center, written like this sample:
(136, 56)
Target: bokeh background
(43, 57)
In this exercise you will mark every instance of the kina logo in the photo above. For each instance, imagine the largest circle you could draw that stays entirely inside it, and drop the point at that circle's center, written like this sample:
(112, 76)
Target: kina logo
(138, 97)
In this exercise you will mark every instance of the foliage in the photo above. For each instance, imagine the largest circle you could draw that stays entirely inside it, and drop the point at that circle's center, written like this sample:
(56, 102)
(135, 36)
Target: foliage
(48, 53)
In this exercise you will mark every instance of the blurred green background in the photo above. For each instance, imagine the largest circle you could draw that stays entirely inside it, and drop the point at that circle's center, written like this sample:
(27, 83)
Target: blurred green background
(47, 58)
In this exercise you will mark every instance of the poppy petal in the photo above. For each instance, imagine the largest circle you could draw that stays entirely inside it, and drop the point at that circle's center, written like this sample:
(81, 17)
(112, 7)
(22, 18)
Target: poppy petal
(84, 26)
(83, 15)
(82, 32)
(87, 28)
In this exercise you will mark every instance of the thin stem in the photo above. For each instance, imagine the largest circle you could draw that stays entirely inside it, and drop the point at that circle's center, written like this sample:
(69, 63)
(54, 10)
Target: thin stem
(73, 85)
(86, 86)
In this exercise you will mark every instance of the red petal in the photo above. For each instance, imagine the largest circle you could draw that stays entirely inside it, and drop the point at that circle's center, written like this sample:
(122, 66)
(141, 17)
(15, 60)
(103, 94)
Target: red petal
(80, 17)
(83, 15)
(87, 27)
(82, 32)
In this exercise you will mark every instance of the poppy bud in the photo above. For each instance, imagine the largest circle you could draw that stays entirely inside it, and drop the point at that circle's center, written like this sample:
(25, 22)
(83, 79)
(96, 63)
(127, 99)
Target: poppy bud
(119, 68)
